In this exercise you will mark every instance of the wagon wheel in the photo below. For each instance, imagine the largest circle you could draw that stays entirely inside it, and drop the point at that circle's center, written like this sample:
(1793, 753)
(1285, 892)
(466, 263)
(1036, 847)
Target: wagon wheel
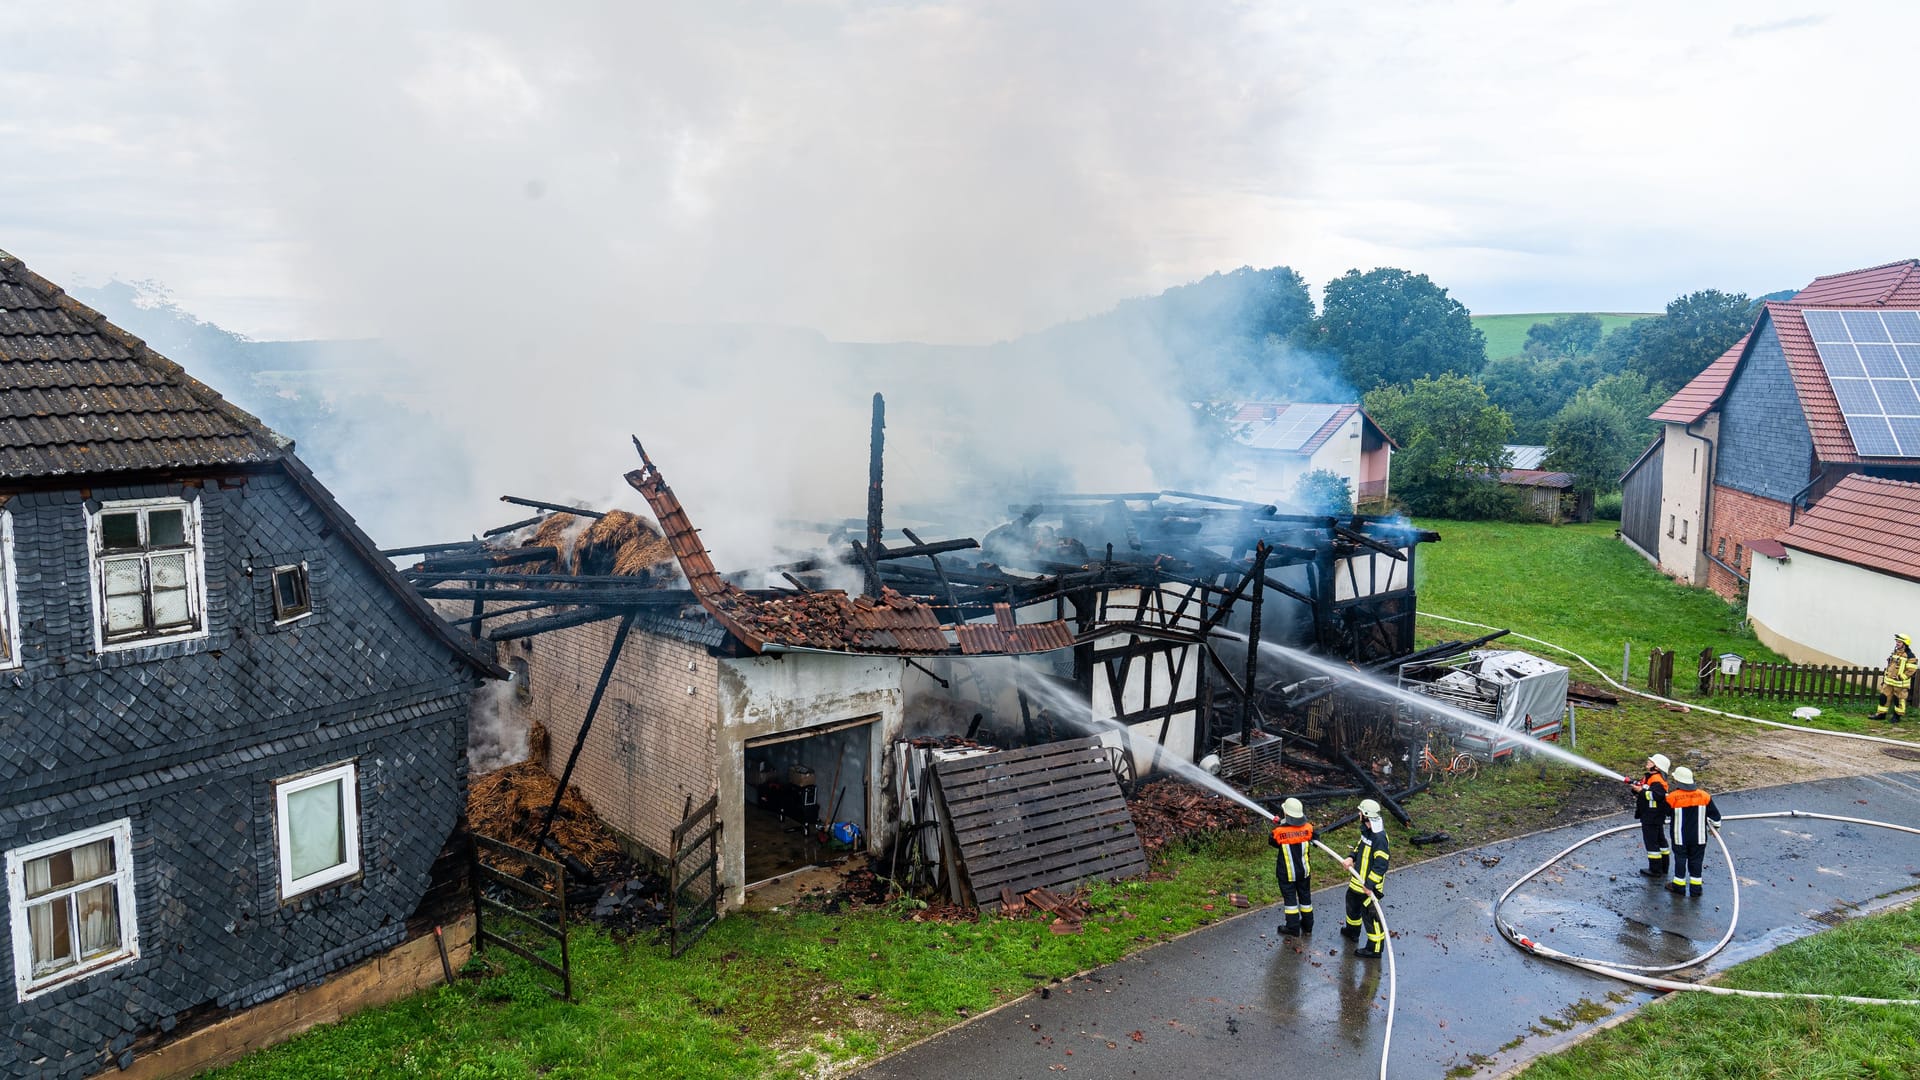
(1122, 763)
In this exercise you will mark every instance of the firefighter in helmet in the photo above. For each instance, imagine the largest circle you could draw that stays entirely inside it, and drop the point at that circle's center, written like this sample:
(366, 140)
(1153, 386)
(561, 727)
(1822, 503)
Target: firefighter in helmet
(1897, 679)
(1650, 806)
(1368, 867)
(1292, 835)
(1693, 813)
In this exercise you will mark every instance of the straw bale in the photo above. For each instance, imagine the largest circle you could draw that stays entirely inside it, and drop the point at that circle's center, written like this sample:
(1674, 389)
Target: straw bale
(507, 805)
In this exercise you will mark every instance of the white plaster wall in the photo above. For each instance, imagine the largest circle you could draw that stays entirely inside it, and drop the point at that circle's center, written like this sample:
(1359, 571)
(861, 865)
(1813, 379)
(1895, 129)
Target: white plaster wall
(1341, 454)
(1159, 671)
(770, 695)
(1684, 481)
(1815, 609)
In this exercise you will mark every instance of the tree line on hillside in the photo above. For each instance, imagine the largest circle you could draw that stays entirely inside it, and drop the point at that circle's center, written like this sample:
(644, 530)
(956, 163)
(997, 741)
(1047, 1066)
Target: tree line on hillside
(1420, 367)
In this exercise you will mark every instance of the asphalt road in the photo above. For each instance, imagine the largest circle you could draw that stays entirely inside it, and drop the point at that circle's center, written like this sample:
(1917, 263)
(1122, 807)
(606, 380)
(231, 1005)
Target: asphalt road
(1238, 1000)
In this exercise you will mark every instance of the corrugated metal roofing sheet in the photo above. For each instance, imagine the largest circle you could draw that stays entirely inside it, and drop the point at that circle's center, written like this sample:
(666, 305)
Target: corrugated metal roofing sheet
(82, 396)
(1866, 521)
(1536, 478)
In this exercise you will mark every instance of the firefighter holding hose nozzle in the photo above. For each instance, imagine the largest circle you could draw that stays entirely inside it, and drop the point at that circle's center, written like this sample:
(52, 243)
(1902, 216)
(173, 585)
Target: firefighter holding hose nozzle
(1650, 806)
(1292, 835)
(1693, 813)
(1368, 867)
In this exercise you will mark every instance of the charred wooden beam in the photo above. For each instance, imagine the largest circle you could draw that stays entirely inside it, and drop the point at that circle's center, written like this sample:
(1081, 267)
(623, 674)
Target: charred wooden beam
(1259, 573)
(876, 469)
(1244, 504)
(559, 508)
(650, 598)
(517, 609)
(920, 550)
(938, 570)
(1367, 781)
(580, 740)
(1367, 541)
(1437, 652)
(1287, 591)
(530, 627)
(458, 563)
(429, 549)
(796, 582)
(620, 580)
(515, 526)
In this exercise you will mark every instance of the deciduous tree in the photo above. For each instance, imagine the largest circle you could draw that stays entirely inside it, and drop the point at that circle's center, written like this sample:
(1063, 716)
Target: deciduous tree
(1452, 446)
(1390, 326)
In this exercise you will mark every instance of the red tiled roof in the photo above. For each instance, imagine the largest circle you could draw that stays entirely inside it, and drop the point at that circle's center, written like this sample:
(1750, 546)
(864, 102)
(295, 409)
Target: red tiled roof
(1702, 393)
(1545, 478)
(1889, 284)
(1772, 549)
(1865, 521)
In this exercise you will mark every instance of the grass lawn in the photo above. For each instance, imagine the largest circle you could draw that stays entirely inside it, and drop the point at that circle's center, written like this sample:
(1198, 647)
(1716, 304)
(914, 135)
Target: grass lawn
(780, 994)
(1711, 1037)
(1507, 334)
(1580, 587)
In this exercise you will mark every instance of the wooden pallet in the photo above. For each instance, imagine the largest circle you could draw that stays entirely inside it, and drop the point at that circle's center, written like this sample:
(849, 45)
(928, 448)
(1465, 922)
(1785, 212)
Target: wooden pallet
(1040, 817)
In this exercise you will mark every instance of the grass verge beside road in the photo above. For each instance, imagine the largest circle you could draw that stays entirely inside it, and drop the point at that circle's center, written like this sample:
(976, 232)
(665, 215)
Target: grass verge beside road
(780, 994)
(1709, 1036)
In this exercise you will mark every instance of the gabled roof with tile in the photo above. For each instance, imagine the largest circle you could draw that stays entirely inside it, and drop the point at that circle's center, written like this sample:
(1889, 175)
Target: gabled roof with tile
(1866, 521)
(1893, 284)
(1702, 392)
(1831, 440)
(80, 396)
(1252, 419)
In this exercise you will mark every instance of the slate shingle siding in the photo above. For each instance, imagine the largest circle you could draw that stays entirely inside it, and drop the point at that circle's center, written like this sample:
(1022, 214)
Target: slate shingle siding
(1765, 446)
(187, 738)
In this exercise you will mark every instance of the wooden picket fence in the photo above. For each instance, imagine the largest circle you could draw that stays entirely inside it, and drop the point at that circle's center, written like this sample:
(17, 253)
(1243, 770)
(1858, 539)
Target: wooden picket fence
(1790, 682)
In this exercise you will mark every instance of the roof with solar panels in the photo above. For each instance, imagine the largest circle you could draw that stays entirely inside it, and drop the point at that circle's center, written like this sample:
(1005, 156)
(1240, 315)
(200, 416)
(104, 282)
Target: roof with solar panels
(1294, 427)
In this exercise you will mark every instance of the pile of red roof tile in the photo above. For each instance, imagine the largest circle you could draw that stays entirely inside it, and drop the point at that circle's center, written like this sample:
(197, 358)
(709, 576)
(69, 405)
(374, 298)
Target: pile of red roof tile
(1170, 810)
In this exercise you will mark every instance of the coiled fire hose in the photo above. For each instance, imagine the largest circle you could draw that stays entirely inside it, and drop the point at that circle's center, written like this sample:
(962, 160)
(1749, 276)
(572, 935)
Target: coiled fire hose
(1393, 988)
(1642, 974)
(1667, 700)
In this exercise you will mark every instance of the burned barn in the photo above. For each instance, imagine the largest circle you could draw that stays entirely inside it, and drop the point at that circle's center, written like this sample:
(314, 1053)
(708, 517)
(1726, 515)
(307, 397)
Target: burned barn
(789, 709)
(234, 738)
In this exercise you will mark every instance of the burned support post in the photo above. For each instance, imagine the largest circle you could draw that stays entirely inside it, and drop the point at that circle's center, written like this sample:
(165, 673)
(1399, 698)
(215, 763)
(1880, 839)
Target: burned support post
(558, 508)
(580, 741)
(1258, 576)
(876, 460)
(1367, 781)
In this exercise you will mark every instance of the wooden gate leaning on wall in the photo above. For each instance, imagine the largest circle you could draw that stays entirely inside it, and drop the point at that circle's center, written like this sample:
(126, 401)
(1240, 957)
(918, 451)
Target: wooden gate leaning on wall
(693, 895)
(505, 870)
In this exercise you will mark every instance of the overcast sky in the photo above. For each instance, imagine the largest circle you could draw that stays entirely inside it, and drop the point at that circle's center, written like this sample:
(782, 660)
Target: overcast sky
(942, 172)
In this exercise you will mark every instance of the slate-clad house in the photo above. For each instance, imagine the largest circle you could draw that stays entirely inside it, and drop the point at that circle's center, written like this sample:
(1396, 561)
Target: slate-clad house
(232, 740)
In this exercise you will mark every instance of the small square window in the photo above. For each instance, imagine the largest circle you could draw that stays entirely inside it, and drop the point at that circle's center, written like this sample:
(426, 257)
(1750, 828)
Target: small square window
(1720, 549)
(317, 828)
(291, 599)
(72, 906)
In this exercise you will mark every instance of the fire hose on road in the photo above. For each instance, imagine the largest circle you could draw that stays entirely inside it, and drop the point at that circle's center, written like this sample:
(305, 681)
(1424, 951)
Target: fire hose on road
(1642, 974)
(1393, 988)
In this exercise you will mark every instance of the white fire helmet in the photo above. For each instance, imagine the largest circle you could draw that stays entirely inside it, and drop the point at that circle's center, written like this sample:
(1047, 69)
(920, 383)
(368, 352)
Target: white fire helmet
(1293, 808)
(1369, 810)
(1683, 775)
(1660, 761)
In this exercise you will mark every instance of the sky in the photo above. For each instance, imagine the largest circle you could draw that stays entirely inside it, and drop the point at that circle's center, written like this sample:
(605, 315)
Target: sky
(943, 172)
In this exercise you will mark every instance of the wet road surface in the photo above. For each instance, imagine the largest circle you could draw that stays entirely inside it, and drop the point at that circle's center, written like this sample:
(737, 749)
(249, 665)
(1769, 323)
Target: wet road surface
(1238, 1000)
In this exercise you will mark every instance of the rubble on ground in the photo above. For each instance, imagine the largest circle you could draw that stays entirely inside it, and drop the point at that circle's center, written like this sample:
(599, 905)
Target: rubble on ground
(1169, 810)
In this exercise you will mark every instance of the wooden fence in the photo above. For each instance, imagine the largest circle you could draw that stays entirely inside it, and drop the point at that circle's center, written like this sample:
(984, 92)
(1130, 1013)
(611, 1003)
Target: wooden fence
(1790, 682)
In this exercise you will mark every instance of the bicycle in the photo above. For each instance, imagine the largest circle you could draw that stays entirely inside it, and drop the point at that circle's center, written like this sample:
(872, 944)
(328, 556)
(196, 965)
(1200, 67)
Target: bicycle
(1458, 763)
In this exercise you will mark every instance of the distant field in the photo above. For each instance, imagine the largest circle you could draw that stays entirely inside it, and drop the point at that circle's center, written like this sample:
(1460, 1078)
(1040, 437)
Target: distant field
(1507, 334)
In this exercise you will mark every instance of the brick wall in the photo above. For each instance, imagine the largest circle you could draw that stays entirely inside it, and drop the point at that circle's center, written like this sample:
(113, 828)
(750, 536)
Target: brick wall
(653, 742)
(1738, 519)
(186, 740)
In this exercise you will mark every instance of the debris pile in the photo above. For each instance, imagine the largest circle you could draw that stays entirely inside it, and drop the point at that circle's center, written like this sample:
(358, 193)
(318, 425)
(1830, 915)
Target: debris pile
(1069, 912)
(508, 804)
(616, 543)
(1169, 810)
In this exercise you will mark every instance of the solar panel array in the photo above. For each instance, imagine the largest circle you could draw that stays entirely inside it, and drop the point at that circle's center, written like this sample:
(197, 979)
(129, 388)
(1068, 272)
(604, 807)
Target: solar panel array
(1873, 361)
(1293, 427)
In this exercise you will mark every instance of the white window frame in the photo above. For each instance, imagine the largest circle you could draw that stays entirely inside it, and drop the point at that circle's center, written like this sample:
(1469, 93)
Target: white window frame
(9, 597)
(306, 588)
(196, 573)
(121, 832)
(348, 774)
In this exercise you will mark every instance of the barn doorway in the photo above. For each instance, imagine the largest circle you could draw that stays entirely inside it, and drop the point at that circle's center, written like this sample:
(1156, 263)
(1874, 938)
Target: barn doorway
(806, 797)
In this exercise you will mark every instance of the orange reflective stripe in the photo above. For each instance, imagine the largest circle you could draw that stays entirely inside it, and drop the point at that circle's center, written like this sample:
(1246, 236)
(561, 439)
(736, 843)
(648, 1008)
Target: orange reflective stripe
(1687, 797)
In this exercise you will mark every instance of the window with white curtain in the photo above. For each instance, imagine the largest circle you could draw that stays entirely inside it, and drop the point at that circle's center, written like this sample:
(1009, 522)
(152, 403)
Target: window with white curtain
(147, 571)
(71, 901)
(317, 825)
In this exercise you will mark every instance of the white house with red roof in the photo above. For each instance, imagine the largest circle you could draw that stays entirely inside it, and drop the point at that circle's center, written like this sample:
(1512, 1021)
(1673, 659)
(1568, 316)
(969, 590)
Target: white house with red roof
(1276, 442)
(1844, 577)
(1825, 385)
